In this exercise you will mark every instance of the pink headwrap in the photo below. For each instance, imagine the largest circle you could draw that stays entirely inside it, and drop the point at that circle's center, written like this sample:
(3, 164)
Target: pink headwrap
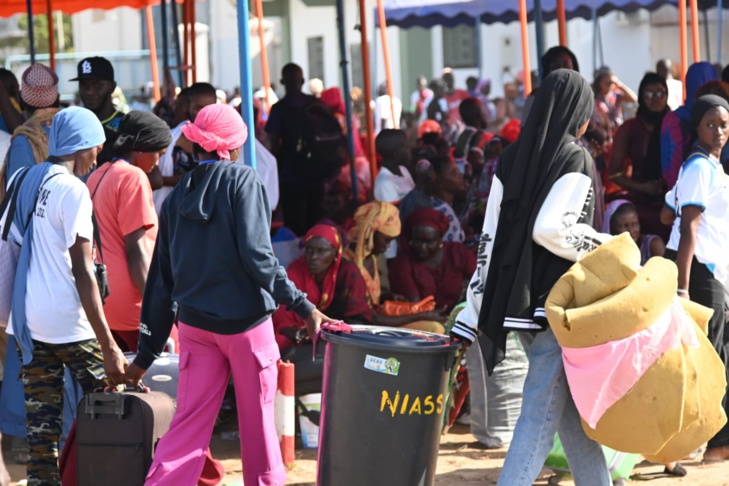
(217, 128)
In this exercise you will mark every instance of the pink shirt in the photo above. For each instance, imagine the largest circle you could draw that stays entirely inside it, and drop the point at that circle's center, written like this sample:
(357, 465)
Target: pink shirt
(122, 205)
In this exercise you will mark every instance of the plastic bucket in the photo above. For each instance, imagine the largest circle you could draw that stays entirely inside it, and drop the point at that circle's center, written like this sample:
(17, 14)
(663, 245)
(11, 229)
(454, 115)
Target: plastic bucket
(309, 430)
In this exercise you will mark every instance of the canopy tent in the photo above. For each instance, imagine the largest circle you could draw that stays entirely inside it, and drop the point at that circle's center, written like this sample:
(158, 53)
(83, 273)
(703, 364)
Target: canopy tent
(9, 8)
(424, 13)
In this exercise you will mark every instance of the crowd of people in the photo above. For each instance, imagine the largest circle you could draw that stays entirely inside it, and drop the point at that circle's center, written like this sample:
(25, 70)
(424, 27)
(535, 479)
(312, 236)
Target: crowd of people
(164, 203)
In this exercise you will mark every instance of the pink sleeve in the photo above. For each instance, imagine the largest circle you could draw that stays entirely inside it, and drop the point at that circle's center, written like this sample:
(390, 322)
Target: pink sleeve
(136, 208)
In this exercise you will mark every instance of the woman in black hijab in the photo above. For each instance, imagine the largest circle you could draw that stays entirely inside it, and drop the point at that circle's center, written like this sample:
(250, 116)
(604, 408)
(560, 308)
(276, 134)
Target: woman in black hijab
(637, 145)
(538, 222)
(557, 57)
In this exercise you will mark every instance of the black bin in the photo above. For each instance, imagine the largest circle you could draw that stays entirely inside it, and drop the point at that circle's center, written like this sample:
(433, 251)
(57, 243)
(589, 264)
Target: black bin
(382, 408)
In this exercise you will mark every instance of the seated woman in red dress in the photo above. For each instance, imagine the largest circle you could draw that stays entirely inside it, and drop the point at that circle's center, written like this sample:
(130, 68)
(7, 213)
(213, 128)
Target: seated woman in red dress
(425, 265)
(330, 283)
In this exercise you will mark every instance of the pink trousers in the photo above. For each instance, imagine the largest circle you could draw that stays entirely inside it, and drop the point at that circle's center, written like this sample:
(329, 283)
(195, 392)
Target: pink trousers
(206, 362)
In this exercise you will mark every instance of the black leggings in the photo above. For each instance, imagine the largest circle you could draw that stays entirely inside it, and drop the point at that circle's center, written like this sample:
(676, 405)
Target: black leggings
(704, 289)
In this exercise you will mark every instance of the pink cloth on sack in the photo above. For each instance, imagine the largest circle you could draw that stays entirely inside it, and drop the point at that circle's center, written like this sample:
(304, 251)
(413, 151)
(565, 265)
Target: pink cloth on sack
(217, 128)
(601, 375)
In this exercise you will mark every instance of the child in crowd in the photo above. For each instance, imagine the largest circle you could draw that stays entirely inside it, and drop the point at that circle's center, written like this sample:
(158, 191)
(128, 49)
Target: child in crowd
(394, 181)
(621, 216)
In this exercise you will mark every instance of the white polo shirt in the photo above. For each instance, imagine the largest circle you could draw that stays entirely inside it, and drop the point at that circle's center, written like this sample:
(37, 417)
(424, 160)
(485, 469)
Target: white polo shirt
(703, 183)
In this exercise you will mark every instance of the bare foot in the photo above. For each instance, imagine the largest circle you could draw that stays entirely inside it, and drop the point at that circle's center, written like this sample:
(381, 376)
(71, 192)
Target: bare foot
(716, 454)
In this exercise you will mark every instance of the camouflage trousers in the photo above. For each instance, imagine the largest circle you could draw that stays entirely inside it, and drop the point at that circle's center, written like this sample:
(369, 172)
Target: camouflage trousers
(43, 383)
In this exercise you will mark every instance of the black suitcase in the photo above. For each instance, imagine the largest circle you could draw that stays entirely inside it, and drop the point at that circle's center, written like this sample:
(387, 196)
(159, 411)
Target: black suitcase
(117, 433)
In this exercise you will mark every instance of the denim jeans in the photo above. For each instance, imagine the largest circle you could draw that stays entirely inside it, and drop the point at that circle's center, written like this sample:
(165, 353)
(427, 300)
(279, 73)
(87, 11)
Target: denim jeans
(496, 400)
(547, 409)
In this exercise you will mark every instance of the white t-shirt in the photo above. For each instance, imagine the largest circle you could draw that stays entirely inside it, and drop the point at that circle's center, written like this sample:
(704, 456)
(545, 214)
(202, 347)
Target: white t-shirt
(393, 188)
(702, 182)
(52, 304)
(383, 111)
(675, 93)
(167, 168)
(5, 139)
(267, 171)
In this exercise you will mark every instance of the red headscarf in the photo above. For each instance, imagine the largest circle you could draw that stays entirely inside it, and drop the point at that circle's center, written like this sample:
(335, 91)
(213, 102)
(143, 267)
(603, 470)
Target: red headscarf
(510, 132)
(423, 217)
(326, 294)
(332, 98)
(429, 126)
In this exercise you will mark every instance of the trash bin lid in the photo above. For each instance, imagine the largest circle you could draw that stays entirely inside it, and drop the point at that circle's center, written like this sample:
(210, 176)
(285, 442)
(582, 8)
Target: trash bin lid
(392, 339)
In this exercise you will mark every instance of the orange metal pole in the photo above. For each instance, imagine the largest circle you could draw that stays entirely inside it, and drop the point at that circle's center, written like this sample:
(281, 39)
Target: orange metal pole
(683, 40)
(695, 42)
(185, 42)
(193, 40)
(264, 54)
(51, 34)
(562, 23)
(152, 52)
(367, 81)
(388, 68)
(525, 47)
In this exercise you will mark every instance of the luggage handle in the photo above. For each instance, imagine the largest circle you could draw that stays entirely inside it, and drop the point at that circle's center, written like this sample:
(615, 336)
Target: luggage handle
(106, 403)
(109, 402)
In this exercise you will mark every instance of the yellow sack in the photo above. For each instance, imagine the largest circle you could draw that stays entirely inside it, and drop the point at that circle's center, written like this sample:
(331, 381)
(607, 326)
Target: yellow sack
(675, 406)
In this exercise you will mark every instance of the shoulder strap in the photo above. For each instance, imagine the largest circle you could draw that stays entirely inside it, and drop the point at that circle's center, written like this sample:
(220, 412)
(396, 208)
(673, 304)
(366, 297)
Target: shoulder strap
(97, 233)
(11, 199)
(101, 179)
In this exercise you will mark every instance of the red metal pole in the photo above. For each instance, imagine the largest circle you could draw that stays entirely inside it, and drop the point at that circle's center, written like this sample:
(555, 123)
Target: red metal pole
(185, 42)
(264, 54)
(152, 52)
(51, 34)
(193, 40)
(683, 41)
(695, 42)
(388, 68)
(525, 47)
(562, 23)
(367, 81)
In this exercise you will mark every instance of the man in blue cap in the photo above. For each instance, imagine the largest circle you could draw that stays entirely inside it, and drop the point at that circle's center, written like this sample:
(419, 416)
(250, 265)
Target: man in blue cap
(57, 315)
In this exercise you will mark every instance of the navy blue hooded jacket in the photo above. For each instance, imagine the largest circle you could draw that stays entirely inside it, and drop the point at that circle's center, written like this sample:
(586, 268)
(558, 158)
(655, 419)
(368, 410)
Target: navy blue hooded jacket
(213, 263)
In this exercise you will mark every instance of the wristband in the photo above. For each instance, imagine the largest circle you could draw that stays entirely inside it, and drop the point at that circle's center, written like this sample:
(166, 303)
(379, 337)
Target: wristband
(682, 291)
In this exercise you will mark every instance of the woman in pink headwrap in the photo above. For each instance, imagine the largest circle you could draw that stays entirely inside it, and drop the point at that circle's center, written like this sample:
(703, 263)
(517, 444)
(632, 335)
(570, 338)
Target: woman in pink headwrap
(213, 268)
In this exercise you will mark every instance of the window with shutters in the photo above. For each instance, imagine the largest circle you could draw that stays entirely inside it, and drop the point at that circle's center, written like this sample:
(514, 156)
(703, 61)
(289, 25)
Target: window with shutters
(316, 57)
(459, 46)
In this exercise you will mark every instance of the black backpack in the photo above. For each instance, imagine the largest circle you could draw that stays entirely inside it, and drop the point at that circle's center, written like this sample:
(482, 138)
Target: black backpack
(468, 140)
(320, 142)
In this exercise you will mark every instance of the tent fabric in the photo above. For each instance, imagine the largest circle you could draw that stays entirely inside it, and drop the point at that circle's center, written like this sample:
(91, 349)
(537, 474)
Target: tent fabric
(428, 13)
(8, 8)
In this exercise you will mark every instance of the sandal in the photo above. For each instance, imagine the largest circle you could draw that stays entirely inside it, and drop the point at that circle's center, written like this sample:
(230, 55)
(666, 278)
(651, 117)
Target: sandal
(678, 471)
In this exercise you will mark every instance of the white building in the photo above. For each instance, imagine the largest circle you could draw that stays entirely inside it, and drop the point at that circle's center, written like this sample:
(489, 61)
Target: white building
(305, 32)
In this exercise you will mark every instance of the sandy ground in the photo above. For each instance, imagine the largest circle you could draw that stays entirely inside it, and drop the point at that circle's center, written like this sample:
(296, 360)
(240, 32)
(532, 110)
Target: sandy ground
(458, 464)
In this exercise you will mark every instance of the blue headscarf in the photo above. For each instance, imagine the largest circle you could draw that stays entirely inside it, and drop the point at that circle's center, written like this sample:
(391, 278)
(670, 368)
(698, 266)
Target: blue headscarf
(697, 75)
(74, 129)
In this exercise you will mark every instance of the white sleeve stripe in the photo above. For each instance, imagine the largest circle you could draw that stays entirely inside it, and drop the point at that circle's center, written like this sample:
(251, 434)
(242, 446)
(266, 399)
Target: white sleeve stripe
(464, 330)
